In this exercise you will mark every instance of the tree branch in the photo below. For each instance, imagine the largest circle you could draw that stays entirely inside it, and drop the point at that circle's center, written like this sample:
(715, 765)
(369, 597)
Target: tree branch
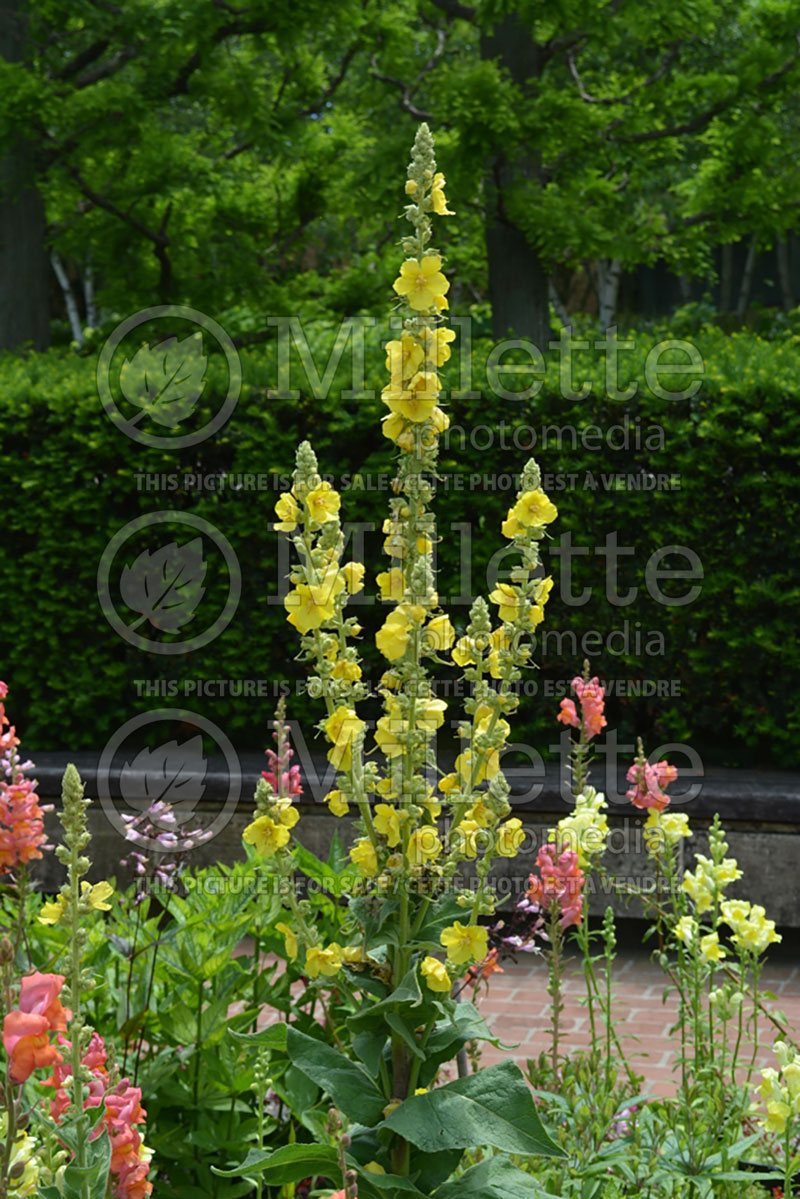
(335, 83)
(666, 63)
(701, 120)
(408, 89)
(454, 8)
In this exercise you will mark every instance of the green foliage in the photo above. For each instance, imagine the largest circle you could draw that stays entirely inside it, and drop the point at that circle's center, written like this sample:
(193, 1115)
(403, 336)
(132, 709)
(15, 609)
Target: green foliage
(68, 483)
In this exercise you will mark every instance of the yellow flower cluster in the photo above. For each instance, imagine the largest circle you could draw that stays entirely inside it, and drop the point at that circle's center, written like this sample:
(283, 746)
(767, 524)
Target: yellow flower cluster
(779, 1091)
(709, 880)
(751, 931)
(585, 830)
(664, 829)
(94, 895)
(465, 945)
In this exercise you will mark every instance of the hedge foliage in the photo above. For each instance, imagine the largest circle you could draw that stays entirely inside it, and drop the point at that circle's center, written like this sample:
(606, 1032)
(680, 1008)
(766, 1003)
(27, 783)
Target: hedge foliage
(68, 483)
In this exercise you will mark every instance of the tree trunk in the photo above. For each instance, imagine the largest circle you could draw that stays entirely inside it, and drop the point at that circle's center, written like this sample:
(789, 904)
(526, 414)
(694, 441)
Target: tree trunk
(517, 286)
(784, 273)
(517, 278)
(608, 274)
(747, 280)
(24, 276)
(726, 277)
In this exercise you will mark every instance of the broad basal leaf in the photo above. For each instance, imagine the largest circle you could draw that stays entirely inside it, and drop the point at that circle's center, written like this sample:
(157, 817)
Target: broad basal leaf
(495, 1178)
(349, 1085)
(493, 1107)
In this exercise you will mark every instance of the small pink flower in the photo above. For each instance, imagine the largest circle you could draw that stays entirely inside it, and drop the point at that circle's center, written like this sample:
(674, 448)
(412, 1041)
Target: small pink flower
(649, 783)
(568, 714)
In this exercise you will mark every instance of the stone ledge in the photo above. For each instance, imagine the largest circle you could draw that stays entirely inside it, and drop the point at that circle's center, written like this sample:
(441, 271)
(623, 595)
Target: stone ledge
(761, 812)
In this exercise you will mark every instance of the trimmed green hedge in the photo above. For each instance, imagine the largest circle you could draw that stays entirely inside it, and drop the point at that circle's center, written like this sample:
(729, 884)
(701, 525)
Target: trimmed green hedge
(68, 483)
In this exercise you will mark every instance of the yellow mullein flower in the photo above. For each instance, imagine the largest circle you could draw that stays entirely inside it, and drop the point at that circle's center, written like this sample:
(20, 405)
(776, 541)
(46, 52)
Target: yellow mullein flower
(436, 343)
(423, 846)
(53, 910)
(342, 727)
(309, 607)
(390, 731)
(267, 836)
(465, 943)
(429, 714)
(465, 838)
(392, 584)
(287, 512)
(337, 803)
(323, 503)
(364, 858)
(509, 839)
(387, 821)
(435, 974)
(543, 588)
(354, 576)
(392, 639)
(386, 788)
(507, 600)
(422, 283)
(437, 196)
(511, 526)
(284, 813)
(439, 633)
(324, 961)
(416, 400)
(448, 783)
(350, 672)
(392, 426)
(463, 652)
(533, 509)
(290, 939)
(403, 357)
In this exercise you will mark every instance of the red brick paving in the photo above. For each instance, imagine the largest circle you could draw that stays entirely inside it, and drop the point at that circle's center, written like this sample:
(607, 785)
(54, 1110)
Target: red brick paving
(517, 1009)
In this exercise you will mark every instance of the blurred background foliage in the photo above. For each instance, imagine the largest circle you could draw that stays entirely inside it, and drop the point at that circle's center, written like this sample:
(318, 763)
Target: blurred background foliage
(631, 161)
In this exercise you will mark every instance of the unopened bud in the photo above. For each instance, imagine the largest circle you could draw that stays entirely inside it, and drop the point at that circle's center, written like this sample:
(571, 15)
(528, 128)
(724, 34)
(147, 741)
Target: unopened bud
(6, 951)
(16, 1171)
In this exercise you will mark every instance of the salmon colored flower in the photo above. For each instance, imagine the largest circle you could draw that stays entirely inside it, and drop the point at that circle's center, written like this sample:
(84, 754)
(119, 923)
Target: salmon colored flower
(560, 884)
(39, 995)
(27, 1044)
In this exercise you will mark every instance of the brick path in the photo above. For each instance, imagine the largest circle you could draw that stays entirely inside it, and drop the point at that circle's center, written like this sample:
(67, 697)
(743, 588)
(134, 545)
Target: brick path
(517, 1009)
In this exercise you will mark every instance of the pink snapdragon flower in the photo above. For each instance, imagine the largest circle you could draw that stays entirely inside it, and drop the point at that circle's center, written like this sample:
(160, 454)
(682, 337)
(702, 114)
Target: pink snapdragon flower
(560, 884)
(649, 783)
(591, 697)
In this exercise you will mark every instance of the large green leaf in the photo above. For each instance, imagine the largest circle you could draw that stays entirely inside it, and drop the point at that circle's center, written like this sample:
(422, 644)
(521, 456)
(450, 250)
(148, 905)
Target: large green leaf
(290, 1163)
(349, 1085)
(407, 998)
(495, 1178)
(493, 1107)
(273, 1037)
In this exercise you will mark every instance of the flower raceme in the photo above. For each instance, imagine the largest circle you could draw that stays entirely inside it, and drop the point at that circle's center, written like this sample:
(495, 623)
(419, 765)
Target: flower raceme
(591, 697)
(26, 1028)
(123, 1113)
(22, 835)
(559, 889)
